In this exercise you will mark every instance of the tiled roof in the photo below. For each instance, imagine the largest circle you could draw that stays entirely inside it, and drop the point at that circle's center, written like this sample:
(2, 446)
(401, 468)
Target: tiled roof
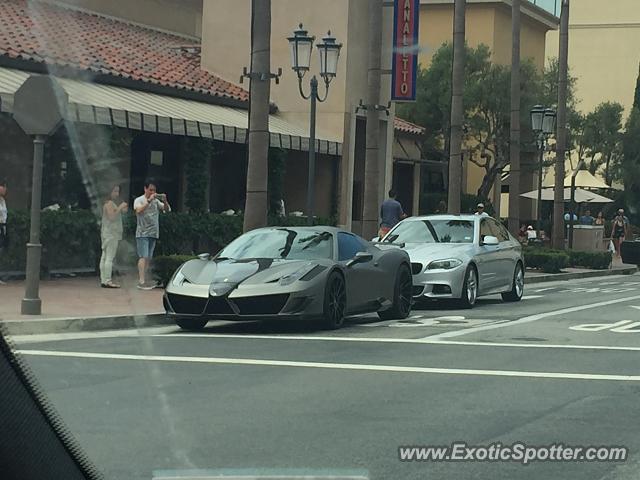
(57, 36)
(401, 125)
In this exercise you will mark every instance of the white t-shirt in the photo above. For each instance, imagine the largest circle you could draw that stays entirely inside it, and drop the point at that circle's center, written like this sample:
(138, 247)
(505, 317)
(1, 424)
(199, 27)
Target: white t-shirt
(483, 214)
(3, 210)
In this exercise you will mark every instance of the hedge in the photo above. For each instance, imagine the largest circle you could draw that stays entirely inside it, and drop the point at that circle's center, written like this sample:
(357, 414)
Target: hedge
(71, 238)
(547, 261)
(552, 261)
(164, 266)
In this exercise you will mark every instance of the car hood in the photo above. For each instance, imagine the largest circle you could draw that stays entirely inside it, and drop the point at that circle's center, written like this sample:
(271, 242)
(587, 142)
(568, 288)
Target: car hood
(234, 272)
(421, 252)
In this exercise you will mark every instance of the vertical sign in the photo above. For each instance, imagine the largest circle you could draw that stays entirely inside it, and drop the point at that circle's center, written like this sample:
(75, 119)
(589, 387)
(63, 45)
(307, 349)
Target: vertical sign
(406, 14)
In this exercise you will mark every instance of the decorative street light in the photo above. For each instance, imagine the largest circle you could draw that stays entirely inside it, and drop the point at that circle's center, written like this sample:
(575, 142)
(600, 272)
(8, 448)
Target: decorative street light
(543, 123)
(329, 51)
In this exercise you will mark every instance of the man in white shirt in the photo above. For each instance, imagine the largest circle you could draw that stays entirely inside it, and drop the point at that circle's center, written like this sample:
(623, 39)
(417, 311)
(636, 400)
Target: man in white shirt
(480, 210)
(148, 208)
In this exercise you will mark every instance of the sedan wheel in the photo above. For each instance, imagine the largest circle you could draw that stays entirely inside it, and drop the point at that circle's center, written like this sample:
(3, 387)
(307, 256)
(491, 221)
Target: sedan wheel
(517, 287)
(335, 302)
(469, 288)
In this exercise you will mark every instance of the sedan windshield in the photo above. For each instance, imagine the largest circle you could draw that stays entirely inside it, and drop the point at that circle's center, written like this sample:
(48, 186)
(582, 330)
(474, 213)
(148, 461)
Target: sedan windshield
(432, 231)
(281, 243)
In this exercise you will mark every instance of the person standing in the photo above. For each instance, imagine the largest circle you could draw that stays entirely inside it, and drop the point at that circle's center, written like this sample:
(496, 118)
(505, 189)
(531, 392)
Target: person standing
(618, 230)
(480, 210)
(599, 219)
(4, 239)
(390, 214)
(111, 234)
(148, 207)
(587, 219)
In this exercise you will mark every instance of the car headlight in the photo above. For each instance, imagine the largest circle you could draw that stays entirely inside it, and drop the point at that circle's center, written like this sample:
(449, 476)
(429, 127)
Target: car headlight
(297, 275)
(446, 264)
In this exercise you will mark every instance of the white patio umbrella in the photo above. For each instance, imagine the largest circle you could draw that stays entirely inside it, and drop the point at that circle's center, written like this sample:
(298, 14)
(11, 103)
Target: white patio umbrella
(581, 195)
(584, 179)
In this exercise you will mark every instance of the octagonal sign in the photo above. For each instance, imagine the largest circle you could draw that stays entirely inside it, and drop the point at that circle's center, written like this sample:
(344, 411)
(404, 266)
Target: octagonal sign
(40, 105)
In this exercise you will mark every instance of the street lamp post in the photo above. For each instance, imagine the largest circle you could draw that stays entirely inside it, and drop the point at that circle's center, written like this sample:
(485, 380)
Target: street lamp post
(329, 51)
(543, 122)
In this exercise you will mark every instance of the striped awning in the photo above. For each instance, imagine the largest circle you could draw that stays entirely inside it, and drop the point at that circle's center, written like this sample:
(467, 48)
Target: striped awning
(150, 112)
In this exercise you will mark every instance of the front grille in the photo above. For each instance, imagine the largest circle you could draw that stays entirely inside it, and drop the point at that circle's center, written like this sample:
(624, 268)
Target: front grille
(416, 268)
(186, 304)
(219, 306)
(417, 290)
(261, 305)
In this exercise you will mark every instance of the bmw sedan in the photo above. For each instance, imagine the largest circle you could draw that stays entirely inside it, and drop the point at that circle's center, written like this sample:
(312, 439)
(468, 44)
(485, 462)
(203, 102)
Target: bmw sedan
(461, 257)
(321, 273)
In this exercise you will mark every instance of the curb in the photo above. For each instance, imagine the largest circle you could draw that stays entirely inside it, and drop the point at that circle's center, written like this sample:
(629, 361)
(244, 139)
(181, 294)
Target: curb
(83, 324)
(553, 277)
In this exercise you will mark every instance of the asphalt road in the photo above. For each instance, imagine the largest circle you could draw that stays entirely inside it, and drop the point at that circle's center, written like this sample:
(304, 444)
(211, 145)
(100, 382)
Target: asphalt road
(562, 366)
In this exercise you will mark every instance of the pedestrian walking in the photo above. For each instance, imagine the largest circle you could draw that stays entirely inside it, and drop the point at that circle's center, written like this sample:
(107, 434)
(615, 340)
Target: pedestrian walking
(390, 214)
(4, 238)
(111, 234)
(480, 210)
(618, 231)
(148, 207)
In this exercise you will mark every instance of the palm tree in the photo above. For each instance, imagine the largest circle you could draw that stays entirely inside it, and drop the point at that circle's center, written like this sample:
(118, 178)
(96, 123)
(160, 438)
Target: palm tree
(514, 144)
(255, 212)
(371, 164)
(457, 112)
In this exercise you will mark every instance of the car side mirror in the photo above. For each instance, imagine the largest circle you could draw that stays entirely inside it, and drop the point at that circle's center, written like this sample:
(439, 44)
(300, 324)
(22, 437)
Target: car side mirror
(204, 256)
(361, 257)
(490, 240)
(375, 239)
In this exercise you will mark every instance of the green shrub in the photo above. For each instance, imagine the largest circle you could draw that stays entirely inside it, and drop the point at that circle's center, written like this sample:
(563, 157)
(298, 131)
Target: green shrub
(71, 238)
(548, 261)
(535, 258)
(164, 266)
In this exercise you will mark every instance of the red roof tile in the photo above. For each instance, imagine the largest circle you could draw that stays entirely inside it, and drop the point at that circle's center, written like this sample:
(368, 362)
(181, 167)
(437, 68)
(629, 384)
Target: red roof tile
(44, 33)
(401, 125)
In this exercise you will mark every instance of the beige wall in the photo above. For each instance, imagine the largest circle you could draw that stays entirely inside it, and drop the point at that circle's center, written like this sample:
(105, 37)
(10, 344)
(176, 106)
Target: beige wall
(604, 40)
(180, 16)
(226, 50)
(486, 23)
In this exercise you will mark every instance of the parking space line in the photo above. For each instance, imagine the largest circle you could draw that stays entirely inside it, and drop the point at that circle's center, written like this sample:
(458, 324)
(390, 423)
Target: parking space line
(335, 366)
(531, 318)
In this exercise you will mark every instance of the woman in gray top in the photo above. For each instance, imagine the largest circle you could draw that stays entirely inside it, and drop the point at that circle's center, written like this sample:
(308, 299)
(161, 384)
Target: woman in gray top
(111, 234)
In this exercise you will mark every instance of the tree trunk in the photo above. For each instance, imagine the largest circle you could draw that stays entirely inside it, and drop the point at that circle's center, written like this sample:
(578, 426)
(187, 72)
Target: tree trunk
(371, 167)
(514, 144)
(561, 147)
(255, 212)
(487, 183)
(457, 111)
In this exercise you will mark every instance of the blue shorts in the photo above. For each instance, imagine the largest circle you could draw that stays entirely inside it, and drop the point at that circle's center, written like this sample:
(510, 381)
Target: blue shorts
(145, 246)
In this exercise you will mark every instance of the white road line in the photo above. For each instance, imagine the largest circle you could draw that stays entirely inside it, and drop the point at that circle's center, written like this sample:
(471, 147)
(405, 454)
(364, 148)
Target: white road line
(531, 318)
(531, 297)
(335, 366)
(58, 337)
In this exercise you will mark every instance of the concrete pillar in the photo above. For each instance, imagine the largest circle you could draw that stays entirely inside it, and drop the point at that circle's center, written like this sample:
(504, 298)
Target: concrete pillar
(497, 195)
(345, 173)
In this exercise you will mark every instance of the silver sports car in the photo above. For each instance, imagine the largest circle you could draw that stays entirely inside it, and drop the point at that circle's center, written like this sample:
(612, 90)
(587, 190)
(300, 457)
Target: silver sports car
(461, 257)
(321, 273)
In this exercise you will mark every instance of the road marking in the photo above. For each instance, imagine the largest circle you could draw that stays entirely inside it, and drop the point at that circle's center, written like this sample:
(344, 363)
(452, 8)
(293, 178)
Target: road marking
(544, 289)
(623, 326)
(334, 366)
(635, 306)
(532, 297)
(532, 318)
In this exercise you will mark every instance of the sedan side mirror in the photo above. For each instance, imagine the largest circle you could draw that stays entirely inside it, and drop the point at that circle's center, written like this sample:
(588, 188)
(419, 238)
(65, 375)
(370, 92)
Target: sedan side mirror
(490, 240)
(204, 256)
(361, 257)
(375, 239)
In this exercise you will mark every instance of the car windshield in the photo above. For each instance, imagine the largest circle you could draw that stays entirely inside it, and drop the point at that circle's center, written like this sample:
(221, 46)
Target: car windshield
(281, 243)
(432, 231)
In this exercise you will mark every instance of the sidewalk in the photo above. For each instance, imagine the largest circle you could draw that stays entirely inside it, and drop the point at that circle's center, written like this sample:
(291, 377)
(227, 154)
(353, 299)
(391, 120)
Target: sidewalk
(71, 303)
(617, 268)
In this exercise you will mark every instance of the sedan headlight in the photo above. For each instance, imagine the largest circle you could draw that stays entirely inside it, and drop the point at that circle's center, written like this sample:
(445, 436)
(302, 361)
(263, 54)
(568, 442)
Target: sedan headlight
(297, 275)
(446, 264)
